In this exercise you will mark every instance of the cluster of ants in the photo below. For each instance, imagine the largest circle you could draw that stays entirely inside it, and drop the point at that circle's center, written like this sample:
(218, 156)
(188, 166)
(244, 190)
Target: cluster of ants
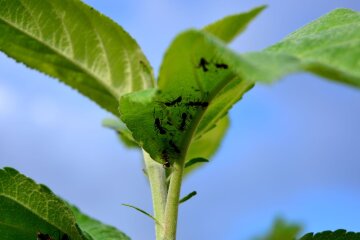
(45, 236)
(166, 126)
(204, 65)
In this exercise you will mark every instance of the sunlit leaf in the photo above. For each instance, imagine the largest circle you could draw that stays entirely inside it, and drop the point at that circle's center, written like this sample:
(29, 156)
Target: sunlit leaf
(74, 43)
(229, 27)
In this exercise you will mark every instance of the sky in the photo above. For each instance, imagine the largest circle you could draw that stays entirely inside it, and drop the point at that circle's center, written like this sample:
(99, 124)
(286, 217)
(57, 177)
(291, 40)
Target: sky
(292, 150)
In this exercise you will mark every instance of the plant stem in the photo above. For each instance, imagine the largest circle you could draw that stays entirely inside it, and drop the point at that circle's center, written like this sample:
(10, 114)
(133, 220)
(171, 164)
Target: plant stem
(157, 179)
(172, 203)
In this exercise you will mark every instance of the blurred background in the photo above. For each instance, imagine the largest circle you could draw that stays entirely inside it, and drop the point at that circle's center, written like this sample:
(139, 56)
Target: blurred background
(293, 148)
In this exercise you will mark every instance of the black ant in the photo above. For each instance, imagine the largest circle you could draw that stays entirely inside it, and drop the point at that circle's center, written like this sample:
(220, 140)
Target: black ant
(158, 126)
(197, 104)
(165, 157)
(203, 64)
(221, 65)
(175, 148)
(174, 102)
(184, 117)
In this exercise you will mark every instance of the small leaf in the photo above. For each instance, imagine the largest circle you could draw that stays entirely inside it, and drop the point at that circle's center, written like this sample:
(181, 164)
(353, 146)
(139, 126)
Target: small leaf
(142, 211)
(95, 229)
(229, 27)
(187, 197)
(74, 43)
(27, 208)
(282, 230)
(340, 234)
(123, 132)
(207, 145)
(194, 161)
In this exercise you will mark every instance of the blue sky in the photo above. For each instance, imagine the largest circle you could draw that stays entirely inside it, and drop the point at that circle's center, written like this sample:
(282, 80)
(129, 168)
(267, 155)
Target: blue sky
(293, 148)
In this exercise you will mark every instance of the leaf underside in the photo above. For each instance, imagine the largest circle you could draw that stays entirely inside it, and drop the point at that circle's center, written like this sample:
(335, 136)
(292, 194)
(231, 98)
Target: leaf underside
(27, 208)
(328, 47)
(74, 43)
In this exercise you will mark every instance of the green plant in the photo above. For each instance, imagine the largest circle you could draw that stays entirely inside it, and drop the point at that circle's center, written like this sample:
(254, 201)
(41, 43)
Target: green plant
(179, 121)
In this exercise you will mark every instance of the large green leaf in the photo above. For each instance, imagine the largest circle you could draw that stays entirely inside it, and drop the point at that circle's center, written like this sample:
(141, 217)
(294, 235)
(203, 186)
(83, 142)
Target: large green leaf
(229, 27)
(97, 230)
(329, 46)
(27, 208)
(329, 235)
(71, 41)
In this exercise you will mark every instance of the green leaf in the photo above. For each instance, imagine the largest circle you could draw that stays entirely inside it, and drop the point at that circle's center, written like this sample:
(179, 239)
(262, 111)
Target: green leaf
(155, 117)
(328, 47)
(137, 110)
(206, 146)
(187, 197)
(27, 208)
(122, 131)
(74, 43)
(229, 27)
(282, 230)
(142, 211)
(329, 235)
(97, 230)
(199, 68)
(195, 161)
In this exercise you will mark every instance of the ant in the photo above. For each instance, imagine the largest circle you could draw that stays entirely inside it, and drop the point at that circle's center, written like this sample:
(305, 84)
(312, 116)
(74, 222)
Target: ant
(158, 126)
(165, 157)
(173, 145)
(197, 104)
(221, 65)
(174, 102)
(203, 64)
(184, 117)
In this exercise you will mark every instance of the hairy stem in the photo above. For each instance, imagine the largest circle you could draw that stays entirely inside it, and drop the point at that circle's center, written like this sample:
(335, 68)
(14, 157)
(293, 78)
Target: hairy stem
(157, 179)
(172, 203)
